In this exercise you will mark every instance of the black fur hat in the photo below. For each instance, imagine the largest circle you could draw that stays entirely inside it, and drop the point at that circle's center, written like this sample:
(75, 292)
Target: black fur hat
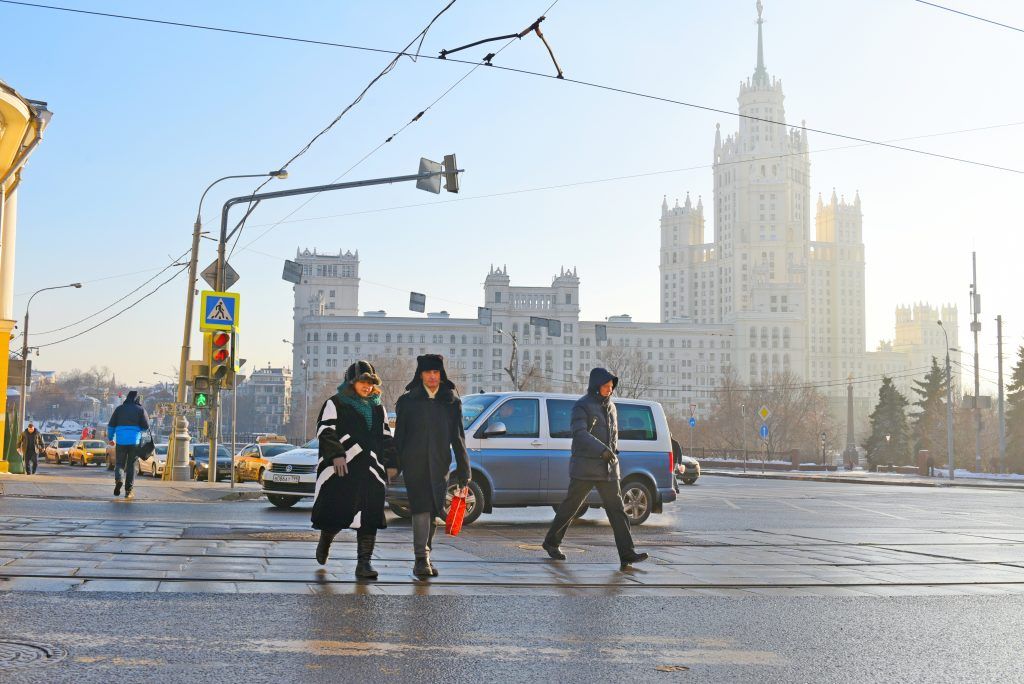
(362, 371)
(430, 362)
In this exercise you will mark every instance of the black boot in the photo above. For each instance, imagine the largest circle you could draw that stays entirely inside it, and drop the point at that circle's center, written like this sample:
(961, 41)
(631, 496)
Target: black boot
(364, 553)
(323, 549)
(553, 550)
(631, 558)
(422, 568)
(117, 488)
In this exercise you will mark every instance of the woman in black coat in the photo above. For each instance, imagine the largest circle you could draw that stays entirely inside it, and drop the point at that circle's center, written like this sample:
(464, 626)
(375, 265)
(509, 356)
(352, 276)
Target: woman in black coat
(428, 432)
(356, 460)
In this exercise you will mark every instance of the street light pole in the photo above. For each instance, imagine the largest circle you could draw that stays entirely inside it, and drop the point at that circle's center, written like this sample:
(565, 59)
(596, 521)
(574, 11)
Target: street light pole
(949, 404)
(24, 348)
(178, 450)
(305, 401)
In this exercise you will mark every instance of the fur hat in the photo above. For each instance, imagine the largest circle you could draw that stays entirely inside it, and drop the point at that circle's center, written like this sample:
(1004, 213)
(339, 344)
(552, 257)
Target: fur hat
(362, 371)
(430, 362)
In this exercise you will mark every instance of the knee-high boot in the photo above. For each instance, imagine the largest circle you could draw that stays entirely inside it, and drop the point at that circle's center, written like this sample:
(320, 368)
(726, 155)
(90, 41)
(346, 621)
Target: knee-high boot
(323, 548)
(364, 554)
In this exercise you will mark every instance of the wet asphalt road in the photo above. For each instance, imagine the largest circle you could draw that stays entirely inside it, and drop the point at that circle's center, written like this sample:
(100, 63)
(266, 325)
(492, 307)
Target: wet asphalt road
(261, 638)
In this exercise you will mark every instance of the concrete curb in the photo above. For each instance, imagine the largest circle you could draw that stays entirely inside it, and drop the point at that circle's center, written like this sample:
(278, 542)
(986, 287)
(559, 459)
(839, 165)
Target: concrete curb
(865, 480)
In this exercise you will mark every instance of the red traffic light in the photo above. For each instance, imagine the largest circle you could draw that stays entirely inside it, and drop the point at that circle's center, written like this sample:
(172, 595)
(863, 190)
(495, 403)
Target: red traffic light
(220, 355)
(220, 339)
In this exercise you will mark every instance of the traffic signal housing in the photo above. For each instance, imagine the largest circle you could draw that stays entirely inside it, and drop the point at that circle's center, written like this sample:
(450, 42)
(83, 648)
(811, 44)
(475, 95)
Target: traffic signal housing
(200, 400)
(221, 346)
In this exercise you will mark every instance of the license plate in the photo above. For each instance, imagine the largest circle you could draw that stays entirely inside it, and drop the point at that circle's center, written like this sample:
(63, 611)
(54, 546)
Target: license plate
(286, 478)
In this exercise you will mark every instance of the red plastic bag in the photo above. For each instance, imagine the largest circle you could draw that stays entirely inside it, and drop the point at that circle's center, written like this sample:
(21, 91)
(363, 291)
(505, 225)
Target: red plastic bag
(456, 512)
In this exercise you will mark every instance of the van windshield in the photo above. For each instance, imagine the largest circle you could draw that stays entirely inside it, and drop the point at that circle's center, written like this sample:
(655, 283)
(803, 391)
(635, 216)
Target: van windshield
(474, 405)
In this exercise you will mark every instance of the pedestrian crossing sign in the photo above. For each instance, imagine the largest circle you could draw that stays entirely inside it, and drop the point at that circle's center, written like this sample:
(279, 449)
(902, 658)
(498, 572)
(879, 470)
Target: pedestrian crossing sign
(220, 311)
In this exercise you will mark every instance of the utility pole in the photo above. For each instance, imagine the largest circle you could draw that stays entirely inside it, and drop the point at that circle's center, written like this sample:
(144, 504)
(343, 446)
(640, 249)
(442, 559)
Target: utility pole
(1002, 406)
(975, 329)
(949, 404)
(513, 364)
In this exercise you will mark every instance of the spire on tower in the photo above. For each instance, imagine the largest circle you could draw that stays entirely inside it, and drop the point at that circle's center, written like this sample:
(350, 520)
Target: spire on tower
(664, 204)
(760, 73)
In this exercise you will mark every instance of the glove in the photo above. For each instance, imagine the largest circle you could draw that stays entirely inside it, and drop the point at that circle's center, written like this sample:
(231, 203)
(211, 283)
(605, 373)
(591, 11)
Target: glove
(463, 482)
(607, 456)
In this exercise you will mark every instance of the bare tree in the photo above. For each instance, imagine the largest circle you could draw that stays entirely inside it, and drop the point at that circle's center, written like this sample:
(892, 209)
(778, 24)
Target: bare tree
(635, 375)
(395, 373)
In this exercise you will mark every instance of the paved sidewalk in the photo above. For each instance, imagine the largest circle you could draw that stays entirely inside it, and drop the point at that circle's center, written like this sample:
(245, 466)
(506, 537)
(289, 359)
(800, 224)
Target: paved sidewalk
(863, 477)
(90, 487)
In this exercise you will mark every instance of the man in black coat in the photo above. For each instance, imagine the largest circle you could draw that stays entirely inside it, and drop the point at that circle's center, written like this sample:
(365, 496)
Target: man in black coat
(594, 463)
(428, 430)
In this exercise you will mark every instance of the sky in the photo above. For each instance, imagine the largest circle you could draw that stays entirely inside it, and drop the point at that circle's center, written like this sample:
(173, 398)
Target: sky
(146, 116)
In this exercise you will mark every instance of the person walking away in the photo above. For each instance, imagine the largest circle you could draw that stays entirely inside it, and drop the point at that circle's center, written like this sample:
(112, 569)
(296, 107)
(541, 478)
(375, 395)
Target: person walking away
(125, 431)
(428, 432)
(594, 463)
(356, 460)
(30, 445)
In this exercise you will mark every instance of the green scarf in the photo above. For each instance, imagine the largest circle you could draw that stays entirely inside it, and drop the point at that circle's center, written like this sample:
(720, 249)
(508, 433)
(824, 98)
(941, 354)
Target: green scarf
(364, 407)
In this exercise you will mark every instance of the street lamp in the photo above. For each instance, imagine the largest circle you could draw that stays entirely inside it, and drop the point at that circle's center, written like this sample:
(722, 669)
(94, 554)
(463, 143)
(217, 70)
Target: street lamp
(949, 402)
(24, 346)
(178, 458)
(305, 401)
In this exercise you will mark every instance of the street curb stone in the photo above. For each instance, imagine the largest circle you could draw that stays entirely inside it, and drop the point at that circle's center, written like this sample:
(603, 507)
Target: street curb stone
(864, 480)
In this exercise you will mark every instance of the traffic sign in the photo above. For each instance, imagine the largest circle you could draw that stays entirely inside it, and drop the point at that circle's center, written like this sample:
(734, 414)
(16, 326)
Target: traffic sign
(209, 274)
(764, 413)
(693, 422)
(171, 407)
(220, 311)
(764, 432)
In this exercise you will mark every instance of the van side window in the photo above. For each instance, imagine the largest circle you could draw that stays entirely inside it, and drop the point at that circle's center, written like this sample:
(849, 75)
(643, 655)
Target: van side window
(520, 416)
(560, 418)
(636, 422)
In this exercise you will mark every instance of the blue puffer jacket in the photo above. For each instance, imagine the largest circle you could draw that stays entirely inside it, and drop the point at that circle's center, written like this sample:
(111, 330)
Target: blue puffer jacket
(128, 421)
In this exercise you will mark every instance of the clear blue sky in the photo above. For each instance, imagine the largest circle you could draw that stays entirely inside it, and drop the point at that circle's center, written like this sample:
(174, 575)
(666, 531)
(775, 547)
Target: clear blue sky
(146, 116)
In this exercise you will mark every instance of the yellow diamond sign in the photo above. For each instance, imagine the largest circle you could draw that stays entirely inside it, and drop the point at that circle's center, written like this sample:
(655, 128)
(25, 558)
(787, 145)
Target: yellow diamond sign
(764, 413)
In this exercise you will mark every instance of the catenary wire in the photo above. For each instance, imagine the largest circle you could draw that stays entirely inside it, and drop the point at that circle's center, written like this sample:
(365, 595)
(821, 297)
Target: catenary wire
(538, 74)
(970, 16)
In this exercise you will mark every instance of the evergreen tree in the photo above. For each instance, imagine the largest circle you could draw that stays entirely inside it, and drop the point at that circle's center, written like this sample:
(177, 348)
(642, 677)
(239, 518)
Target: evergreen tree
(1015, 416)
(929, 424)
(889, 419)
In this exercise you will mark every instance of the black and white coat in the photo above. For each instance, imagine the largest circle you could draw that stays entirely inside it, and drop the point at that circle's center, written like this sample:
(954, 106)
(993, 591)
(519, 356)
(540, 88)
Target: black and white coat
(356, 500)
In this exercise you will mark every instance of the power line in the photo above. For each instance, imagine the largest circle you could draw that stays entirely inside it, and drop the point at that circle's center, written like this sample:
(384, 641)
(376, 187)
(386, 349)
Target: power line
(537, 74)
(971, 16)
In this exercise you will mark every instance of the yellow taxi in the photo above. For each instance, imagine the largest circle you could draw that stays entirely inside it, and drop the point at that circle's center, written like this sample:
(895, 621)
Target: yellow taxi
(86, 451)
(251, 462)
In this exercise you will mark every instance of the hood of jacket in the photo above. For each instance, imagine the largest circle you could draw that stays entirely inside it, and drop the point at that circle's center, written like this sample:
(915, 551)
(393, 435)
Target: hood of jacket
(133, 398)
(598, 377)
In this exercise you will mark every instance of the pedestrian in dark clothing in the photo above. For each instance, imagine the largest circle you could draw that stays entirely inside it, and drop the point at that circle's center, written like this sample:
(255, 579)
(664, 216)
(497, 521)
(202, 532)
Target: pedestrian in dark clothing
(594, 463)
(357, 458)
(30, 445)
(427, 432)
(125, 431)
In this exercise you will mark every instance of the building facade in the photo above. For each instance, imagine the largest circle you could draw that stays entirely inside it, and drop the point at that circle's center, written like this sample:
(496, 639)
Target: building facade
(264, 401)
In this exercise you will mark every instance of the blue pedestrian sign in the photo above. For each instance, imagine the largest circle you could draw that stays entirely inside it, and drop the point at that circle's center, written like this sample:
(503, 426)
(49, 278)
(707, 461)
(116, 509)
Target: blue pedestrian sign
(693, 422)
(764, 432)
(220, 311)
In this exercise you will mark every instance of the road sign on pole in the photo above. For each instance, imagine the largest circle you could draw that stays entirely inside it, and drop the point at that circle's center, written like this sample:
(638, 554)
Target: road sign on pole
(209, 274)
(763, 413)
(220, 311)
(693, 422)
(764, 432)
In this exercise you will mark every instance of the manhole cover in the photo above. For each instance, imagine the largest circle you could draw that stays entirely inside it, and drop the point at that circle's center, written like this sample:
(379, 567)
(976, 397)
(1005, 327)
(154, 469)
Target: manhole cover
(24, 653)
(671, 668)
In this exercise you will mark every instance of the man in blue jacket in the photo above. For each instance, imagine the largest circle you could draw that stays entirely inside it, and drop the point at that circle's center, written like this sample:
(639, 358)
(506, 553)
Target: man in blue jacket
(125, 430)
(594, 463)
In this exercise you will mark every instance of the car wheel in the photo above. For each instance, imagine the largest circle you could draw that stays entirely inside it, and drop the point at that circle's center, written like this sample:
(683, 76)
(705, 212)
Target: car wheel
(474, 502)
(259, 478)
(283, 501)
(579, 514)
(689, 480)
(402, 512)
(638, 501)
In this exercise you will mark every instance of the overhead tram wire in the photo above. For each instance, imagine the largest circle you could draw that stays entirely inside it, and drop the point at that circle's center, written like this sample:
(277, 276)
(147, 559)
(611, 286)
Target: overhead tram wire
(970, 16)
(537, 74)
(376, 149)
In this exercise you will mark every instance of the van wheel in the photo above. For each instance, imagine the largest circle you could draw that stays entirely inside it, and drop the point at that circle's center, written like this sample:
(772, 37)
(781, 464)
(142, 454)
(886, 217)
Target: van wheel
(579, 514)
(402, 512)
(475, 502)
(283, 501)
(638, 501)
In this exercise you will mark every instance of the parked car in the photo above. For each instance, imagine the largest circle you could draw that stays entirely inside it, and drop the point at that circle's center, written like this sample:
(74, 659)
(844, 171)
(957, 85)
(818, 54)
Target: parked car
(57, 450)
(86, 451)
(519, 446)
(50, 436)
(199, 462)
(154, 463)
(687, 470)
(292, 475)
(254, 459)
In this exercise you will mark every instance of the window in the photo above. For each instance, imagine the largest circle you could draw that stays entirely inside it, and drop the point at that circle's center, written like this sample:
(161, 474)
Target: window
(636, 421)
(497, 298)
(560, 418)
(521, 418)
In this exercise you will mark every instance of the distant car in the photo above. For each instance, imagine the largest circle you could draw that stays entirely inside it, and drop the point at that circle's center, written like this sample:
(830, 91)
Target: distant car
(155, 462)
(199, 462)
(50, 436)
(254, 459)
(687, 470)
(57, 450)
(292, 475)
(86, 451)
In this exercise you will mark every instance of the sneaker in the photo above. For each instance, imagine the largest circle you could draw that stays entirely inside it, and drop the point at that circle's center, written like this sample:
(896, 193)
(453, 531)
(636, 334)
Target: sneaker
(128, 493)
(117, 488)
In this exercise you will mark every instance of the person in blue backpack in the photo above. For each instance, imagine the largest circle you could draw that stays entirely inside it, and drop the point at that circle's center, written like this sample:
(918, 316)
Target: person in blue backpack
(124, 430)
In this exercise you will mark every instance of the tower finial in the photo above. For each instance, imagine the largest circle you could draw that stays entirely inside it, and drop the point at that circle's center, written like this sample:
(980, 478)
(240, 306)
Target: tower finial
(760, 73)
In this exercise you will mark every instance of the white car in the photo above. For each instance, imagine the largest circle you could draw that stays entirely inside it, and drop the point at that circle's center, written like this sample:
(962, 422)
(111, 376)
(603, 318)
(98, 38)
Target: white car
(291, 476)
(154, 463)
